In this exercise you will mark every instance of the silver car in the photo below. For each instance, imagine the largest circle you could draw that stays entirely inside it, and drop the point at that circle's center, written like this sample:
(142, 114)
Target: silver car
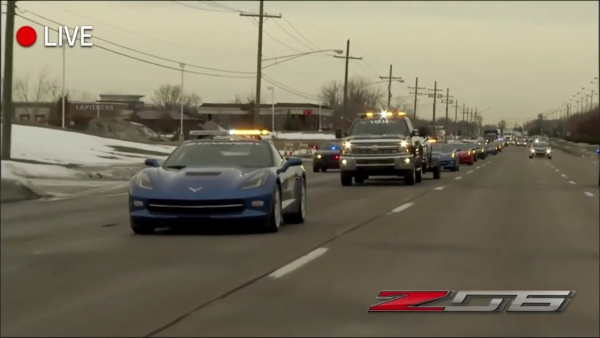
(540, 149)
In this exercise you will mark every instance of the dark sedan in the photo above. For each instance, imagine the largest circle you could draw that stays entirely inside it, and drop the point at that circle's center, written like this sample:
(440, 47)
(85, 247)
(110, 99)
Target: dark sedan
(326, 156)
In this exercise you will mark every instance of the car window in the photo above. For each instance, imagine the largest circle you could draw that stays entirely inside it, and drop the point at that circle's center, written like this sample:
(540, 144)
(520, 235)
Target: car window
(329, 146)
(277, 156)
(222, 154)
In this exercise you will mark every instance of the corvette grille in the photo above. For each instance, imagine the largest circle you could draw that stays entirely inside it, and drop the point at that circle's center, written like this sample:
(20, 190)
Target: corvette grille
(190, 207)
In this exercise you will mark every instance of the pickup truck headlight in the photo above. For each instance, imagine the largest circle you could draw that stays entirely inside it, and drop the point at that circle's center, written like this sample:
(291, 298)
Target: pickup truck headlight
(548, 150)
(255, 181)
(142, 180)
(347, 148)
(532, 150)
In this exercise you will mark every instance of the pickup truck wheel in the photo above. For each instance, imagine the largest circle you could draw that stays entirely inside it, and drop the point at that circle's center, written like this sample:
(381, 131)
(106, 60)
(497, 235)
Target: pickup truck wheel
(315, 169)
(419, 175)
(359, 179)
(437, 173)
(410, 177)
(346, 179)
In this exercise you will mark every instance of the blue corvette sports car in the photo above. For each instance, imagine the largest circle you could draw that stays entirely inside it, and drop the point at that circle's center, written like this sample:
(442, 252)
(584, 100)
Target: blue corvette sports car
(448, 154)
(208, 181)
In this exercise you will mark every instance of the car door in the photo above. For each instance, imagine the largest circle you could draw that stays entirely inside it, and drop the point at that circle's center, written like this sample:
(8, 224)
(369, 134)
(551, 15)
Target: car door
(288, 180)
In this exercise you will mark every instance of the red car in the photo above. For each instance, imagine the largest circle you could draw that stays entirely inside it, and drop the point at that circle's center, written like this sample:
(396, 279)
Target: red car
(466, 154)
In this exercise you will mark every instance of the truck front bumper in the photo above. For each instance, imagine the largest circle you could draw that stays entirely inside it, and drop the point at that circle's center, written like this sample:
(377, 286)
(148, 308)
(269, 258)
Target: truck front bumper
(377, 163)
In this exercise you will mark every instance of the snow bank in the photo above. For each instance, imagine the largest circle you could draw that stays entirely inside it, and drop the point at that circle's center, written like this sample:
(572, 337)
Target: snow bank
(64, 147)
(303, 136)
(19, 170)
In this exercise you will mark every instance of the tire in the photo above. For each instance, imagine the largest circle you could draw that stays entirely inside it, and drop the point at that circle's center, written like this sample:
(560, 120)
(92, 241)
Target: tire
(323, 169)
(530, 157)
(142, 229)
(346, 179)
(410, 177)
(359, 180)
(470, 163)
(419, 175)
(315, 169)
(549, 157)
(274, 222)
(437, 173)
(298, 216)
(457, 168)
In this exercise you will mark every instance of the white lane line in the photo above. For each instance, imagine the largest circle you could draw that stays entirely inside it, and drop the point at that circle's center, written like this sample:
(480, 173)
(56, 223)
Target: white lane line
(589, 194)
(439, 188)
(470, 172)
(478, 167)
(400, 208)
(557, 170)
(563, 175)
(571, 182)
(298, 263)
(458, 178)
(552, 167)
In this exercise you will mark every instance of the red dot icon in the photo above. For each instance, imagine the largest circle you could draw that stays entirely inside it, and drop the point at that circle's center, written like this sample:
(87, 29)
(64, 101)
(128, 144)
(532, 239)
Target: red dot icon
(26, 36)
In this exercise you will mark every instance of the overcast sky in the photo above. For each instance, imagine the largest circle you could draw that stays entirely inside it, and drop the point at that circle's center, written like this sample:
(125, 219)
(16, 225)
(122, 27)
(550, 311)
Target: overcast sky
(517, 58)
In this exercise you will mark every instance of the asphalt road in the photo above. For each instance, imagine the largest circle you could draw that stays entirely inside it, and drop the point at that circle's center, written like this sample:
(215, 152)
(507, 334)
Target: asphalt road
(72, 267)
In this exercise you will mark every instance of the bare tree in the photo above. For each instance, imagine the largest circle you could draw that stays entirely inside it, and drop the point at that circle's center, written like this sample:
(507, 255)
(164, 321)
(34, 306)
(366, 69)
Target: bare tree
(170, 97)
(83, 96)
(43, 89)
(361, 97)
(502, 124)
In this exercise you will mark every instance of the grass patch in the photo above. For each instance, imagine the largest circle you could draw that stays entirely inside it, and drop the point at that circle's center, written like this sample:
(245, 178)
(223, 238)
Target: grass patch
(67, 165)
(139, 151)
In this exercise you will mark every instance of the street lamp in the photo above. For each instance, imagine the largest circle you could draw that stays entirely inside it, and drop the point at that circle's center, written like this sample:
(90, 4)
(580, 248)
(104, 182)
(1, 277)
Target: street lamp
(181, 137)
(272, 89)
(295, 56)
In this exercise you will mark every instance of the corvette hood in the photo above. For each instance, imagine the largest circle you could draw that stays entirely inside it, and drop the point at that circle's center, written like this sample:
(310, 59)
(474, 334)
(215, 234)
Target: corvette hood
(200, 182)
(441, 155)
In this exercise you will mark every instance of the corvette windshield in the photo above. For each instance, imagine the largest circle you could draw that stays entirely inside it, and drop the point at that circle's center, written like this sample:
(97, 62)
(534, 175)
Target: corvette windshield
(379, 127)
(221, 154)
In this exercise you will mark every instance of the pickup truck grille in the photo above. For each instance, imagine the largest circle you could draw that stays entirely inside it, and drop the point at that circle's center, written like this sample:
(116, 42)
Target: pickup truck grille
(371, 151)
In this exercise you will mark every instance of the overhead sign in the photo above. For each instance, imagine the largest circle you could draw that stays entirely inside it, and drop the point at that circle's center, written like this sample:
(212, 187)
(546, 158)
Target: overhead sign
(448, 101)
(437, 96)
(307, 112)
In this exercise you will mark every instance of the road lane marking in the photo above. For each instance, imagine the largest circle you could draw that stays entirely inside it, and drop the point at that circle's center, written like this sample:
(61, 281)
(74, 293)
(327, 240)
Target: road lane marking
(571, 182)
(298, 263)
(470, 172)
(557, 170)
(439, 188)
(458, 178)
(589, 194)
(478, 167)
(119, 194)
(400, 208)
(563, 175)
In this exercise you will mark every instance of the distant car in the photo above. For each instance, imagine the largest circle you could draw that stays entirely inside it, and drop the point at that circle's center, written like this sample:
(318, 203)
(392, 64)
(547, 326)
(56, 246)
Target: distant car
(492, 148)
(521, 142)
(326, 156)
(466, 153)
(448, 155)
(540, 149)
(216, 181)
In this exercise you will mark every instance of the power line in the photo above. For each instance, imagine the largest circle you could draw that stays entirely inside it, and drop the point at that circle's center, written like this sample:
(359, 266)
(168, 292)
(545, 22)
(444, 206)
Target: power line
(142, 60)
(199, 8)
(253, 20)
(144, 53)
(47, 3)
(218, 5)
(287, 88)
(300, 34)
(293, 37)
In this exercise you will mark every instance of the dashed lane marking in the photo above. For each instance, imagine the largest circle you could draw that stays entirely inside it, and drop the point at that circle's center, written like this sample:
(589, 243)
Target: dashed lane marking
(571, 182)
(295, 265)
(458, 178)
(400, 208)
(589, 194)
(439, 188)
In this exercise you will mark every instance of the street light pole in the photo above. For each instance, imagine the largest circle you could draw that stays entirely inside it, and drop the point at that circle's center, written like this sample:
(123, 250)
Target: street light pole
(7, 104)
(64, 62)
(272, 89)
(181, 95)
(320, 126)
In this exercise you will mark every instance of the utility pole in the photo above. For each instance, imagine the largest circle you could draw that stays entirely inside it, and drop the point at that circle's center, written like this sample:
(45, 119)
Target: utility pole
(456, 118)
(390, 78)
(261, 16)
(476, 122)
(435, 96)
(348, 58)
(416, 92)
(447, 101)
(7, 104)
(463, 112)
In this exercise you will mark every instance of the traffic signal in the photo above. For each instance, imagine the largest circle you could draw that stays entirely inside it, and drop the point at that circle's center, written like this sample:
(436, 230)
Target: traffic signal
(307, 112)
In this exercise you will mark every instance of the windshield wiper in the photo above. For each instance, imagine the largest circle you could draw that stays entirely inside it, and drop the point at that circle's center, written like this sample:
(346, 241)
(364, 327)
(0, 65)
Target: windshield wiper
(175, 167)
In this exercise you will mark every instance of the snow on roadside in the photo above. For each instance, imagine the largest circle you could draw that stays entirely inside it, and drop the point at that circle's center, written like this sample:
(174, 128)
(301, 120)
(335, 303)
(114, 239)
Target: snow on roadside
(304, 136)
(20, 170)
(65, 147)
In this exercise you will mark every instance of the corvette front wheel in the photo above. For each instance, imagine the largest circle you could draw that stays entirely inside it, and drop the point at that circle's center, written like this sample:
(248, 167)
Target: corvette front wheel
(274, 221)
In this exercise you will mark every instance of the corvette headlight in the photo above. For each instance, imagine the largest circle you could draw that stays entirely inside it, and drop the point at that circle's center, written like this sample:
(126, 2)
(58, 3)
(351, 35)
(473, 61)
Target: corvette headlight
(142, 180)
(255, 181)
(452, 155)
(532, 150)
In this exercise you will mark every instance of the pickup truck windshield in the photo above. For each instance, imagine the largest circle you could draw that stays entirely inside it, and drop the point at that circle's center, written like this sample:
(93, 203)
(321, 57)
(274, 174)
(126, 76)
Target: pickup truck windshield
(379, 127)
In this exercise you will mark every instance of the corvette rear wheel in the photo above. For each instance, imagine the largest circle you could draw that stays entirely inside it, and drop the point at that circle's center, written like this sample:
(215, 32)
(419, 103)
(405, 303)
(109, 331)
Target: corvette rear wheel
(142, 230)
(274, 221)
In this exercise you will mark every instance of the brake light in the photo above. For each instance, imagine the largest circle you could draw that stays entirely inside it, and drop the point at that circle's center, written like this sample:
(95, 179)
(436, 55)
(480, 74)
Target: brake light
(337, 157)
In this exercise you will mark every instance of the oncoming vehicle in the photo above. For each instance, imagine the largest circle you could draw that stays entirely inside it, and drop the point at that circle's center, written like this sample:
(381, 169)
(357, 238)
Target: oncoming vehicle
(382, 144)
(540, 149)
(521, 142)
(326, 156)
(448, 154)
(223, 179)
